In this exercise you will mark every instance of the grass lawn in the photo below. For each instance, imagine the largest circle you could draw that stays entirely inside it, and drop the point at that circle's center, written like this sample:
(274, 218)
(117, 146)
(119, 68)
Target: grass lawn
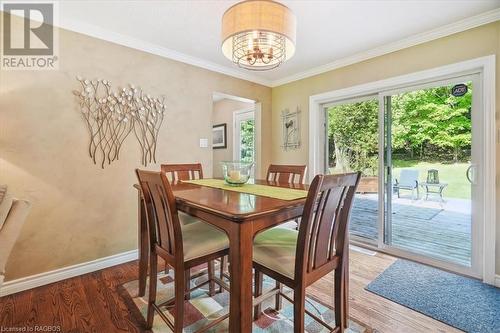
(453, 174)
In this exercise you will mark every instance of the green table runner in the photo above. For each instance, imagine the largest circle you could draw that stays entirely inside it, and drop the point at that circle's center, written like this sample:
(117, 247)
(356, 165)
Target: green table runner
(256, 189)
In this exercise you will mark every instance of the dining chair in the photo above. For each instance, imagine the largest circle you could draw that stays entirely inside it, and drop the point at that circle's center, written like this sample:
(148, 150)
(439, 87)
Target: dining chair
(299, 258)
(181, 246)
(188, 171)
(289, 174)
(185, 171)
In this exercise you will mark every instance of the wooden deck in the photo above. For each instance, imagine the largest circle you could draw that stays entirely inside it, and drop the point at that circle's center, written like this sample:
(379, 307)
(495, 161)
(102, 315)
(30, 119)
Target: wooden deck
(439, 232)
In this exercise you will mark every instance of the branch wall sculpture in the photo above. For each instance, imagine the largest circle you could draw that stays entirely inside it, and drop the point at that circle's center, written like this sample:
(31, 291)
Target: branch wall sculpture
(111, 116)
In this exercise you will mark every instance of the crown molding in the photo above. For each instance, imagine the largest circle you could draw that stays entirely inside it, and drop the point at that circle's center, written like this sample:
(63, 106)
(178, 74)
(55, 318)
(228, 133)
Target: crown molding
(446, 30)
(118, 38)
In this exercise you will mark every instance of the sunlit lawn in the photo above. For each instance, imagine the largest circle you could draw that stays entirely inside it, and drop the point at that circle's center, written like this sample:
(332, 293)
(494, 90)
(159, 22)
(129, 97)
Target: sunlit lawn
(453, 174)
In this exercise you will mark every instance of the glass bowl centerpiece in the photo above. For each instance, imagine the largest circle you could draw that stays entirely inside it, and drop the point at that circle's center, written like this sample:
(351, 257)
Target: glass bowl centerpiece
(236, 173)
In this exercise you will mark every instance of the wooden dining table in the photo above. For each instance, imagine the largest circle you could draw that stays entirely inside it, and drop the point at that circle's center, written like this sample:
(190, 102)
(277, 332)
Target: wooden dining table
(241, 216)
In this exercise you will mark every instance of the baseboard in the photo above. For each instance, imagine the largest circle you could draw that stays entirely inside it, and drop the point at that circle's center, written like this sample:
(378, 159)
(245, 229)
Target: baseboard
(30, 282)
(497, 281)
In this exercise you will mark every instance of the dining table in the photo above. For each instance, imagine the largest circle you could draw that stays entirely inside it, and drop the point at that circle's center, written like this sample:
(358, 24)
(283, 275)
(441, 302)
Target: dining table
(241, 216)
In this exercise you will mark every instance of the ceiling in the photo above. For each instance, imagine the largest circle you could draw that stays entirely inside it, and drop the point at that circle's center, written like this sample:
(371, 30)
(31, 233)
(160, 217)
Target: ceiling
(327, 31)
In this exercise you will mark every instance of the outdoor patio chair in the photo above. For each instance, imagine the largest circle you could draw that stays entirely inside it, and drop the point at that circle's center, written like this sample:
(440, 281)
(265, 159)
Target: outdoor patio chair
(408, 180)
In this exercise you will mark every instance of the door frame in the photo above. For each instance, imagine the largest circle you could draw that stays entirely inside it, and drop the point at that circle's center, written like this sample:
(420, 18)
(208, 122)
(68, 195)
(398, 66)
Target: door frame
(485, 67)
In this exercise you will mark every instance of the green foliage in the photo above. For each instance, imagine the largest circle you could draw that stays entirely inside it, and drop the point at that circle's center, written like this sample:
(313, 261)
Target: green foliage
(427, 123)
(353, 136)
(431, 117)
(247, 140)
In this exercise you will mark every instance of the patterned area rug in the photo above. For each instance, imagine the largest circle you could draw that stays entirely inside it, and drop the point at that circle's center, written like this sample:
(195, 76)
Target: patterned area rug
(201, 309)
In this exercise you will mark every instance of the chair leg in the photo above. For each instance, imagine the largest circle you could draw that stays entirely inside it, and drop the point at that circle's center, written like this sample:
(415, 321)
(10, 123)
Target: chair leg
(278, 302)
(257, 310)
(180, 287)
(167, 269)
(187, 283)
(346, 294)
(221, 271)
(299, 309)
(211, 275)
(152, 289)
(339, 301)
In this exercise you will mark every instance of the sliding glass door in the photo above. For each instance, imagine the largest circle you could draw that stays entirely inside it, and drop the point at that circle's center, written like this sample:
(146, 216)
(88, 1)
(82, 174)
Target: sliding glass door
(417, 150)
(430, 167)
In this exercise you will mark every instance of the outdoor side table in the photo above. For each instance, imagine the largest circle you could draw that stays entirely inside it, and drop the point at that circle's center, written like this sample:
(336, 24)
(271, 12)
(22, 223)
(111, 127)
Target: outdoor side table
(435, 188)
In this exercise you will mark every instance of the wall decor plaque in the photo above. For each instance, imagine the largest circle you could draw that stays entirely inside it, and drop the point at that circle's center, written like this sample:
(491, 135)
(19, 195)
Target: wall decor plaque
(290, 124)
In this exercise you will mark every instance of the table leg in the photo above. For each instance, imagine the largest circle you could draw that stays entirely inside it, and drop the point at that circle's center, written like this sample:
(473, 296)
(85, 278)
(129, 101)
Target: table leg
(143, 247)
(240, 257)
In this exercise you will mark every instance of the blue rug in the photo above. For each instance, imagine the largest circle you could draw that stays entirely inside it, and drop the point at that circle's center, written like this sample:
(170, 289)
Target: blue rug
(461, 302)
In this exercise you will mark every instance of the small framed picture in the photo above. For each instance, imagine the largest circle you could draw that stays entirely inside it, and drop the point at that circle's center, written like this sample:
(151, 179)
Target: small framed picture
(219, 136)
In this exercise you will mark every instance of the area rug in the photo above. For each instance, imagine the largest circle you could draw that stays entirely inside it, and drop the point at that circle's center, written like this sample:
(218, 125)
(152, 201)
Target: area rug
(458, 301)
(201, 309)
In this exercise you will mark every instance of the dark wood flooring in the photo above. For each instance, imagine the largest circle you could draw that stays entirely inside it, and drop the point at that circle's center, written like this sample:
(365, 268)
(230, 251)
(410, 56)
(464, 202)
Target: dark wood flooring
(92, 302)
(87, 303)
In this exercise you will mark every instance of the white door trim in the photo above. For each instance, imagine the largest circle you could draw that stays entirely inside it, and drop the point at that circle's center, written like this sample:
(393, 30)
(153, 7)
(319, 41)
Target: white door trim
(485, 67)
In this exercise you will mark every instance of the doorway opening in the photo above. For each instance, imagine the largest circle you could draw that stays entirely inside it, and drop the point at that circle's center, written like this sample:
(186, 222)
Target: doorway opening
(234, 135)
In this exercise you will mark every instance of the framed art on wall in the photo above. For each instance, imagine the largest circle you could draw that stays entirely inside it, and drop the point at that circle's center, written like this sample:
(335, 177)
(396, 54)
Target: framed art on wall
(219, 136)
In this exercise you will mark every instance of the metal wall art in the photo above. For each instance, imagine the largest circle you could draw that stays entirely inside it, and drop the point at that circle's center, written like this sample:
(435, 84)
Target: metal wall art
(290, 123)
(111, 116)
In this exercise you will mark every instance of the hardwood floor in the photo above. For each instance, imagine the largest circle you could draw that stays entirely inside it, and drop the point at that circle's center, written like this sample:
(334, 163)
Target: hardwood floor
(374, 311)
(91, 303)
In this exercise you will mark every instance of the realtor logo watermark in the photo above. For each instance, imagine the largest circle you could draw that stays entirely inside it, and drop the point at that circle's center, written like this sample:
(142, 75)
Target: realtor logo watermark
(29, 40)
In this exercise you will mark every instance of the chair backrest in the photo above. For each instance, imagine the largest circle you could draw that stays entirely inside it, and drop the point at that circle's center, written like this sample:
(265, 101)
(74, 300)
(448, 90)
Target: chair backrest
(433, 176)
(286, 174)
(408, 177)
(163, 220)
(183, 171)
(323, 228)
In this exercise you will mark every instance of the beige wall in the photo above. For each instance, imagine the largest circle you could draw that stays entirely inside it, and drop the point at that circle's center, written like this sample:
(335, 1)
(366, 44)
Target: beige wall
(81, 212)
(223, 111)
(470, 44)
(43, 140)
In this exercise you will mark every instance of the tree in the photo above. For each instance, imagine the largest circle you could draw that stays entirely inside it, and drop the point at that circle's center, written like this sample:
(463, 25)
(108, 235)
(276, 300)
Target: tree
(247, 140)
(353, 134)
(431, 117)
(422, 121)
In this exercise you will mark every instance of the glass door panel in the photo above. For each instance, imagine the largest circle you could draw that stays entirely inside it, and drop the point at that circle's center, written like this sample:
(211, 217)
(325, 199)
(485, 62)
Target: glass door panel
(244, 137)
(428, 162)
(352, 145)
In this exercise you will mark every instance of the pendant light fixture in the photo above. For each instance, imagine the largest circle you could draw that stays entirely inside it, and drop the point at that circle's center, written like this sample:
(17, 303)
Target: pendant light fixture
(258, 34)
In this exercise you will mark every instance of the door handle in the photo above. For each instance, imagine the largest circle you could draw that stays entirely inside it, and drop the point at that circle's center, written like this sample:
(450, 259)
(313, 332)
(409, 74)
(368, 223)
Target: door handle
(469, 174)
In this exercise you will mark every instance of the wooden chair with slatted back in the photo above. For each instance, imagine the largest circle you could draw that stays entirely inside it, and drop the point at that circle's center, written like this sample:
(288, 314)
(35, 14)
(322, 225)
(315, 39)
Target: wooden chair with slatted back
(177, 172)
(299, 258)
(182, 247)
(288, 174)
(184, 171)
